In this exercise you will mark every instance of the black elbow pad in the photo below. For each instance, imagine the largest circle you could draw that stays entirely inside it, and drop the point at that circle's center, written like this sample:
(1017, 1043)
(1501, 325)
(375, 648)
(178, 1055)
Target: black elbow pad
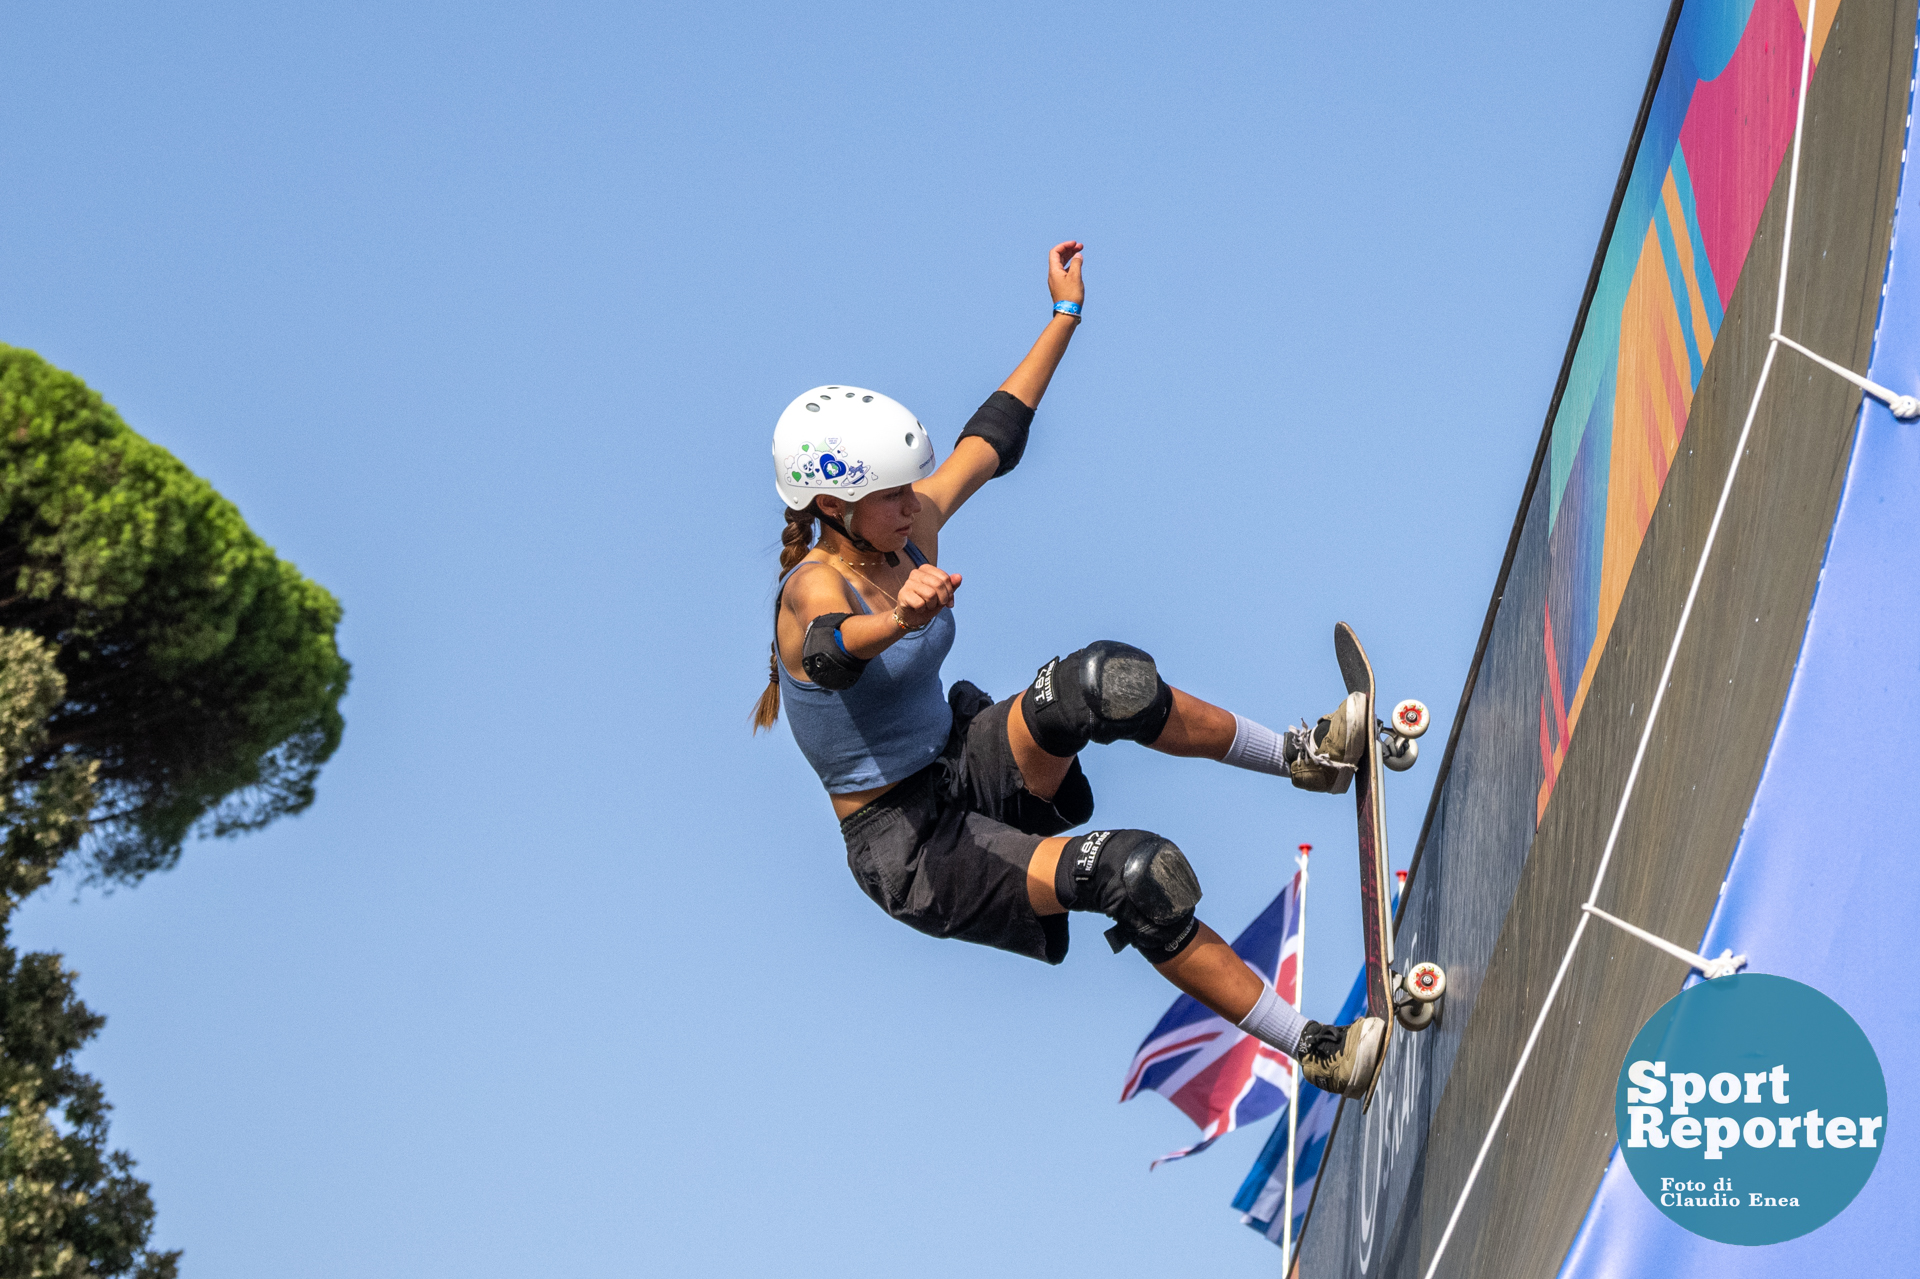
(822, 657)
(1002, 422)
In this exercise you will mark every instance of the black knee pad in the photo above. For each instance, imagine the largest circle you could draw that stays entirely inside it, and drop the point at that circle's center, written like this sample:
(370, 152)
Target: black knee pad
(1143, 882)
(1103, 693)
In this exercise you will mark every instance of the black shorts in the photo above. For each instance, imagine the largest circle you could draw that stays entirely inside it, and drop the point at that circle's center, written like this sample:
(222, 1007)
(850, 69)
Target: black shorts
(946, 850)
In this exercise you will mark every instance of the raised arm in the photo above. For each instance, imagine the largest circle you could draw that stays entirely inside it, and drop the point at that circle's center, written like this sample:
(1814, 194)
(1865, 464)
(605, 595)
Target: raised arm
(1028, 382)
(996, 435)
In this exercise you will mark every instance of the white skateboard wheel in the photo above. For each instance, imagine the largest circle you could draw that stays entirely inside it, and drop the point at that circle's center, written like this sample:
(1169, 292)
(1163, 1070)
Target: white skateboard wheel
(1426, 981)
(1410, 718)
(1415, 1015)
(1398, 753)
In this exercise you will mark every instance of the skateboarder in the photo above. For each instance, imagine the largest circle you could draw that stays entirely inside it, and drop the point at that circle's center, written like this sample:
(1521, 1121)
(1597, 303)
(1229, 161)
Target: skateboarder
(952, 806)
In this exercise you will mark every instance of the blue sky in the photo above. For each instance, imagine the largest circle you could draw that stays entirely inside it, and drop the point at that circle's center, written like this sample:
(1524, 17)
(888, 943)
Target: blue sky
(483, 314)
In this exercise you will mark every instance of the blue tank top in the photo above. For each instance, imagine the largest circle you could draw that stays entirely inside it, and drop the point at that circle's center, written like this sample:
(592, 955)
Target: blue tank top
(891, 724)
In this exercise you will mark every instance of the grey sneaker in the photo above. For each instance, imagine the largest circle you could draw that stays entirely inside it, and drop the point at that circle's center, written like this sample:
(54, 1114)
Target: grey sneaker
(1342, 1059)
(1322, 758)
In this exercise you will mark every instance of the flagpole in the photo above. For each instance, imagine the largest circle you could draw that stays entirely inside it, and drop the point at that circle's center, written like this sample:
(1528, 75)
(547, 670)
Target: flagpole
(1293, 1103)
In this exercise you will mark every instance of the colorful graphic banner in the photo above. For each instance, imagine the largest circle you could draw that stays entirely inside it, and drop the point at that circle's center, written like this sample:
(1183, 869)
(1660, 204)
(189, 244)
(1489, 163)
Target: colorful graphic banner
(1720, 125)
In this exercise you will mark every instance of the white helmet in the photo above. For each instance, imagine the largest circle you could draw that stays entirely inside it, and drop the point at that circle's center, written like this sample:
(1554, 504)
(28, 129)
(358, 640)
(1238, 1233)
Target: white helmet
(847, 442)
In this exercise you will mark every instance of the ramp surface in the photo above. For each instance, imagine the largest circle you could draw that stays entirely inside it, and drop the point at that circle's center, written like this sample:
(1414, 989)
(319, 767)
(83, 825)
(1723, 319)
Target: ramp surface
(1657, 383)
(1820, 888)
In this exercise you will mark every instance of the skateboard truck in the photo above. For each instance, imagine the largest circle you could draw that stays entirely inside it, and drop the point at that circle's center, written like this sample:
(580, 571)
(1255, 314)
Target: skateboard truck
(1397, 747)
(1417, 993)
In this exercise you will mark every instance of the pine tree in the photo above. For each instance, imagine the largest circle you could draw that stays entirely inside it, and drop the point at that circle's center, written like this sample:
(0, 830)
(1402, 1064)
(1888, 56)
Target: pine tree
(202, 676)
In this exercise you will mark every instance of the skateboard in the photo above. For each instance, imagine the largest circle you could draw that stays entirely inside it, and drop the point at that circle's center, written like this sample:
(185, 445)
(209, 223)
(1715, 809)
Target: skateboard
(1411, 1001)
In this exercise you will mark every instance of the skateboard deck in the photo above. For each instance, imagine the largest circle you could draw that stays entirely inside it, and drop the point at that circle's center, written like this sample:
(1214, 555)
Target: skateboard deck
(1370, 809)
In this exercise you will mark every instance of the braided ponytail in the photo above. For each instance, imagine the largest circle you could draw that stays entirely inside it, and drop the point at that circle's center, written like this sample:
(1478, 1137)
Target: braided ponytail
(796, 539)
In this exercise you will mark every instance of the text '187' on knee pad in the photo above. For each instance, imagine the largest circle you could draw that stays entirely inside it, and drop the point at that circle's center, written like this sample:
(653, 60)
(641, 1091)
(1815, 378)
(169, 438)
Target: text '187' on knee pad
(1141, 881)
(1105, 692)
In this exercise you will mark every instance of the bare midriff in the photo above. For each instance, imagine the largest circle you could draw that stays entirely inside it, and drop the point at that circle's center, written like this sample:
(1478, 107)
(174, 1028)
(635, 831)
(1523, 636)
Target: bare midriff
(847, 804)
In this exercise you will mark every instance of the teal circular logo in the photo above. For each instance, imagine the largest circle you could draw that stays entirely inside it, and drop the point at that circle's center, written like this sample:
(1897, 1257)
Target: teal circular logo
(1751, 1109)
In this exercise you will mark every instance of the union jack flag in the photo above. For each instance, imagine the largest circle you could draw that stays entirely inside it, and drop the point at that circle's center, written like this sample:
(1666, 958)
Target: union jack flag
(1217, 1074)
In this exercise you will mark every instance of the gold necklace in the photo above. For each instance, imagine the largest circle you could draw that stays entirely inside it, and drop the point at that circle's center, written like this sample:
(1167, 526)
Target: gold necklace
(857, 567)
(891, 597)
(849, 563)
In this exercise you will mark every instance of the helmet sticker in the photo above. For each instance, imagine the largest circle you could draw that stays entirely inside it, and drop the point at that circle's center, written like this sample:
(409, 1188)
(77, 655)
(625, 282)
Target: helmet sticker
(825, 464)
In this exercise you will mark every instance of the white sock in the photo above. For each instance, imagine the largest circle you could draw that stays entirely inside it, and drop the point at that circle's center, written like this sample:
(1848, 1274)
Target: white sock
(1255, 746)
(1276, 1022)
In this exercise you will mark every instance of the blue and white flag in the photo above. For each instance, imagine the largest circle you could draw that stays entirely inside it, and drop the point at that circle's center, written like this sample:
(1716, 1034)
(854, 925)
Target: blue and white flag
(1263, 1195)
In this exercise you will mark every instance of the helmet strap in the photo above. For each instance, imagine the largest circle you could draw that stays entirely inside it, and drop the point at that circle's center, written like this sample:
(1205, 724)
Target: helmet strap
(859, 543)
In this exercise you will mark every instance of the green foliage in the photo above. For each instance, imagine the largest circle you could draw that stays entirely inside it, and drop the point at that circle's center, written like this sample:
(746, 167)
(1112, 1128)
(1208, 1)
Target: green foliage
(68, 1208)
(202, 677)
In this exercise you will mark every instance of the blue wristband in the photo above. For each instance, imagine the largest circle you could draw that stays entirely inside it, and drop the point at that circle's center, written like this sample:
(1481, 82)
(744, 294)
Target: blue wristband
(1067, 308)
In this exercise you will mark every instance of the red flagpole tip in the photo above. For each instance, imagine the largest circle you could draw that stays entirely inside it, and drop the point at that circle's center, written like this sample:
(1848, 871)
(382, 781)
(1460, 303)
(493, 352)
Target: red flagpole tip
(1400, 875)
(1305, 849)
